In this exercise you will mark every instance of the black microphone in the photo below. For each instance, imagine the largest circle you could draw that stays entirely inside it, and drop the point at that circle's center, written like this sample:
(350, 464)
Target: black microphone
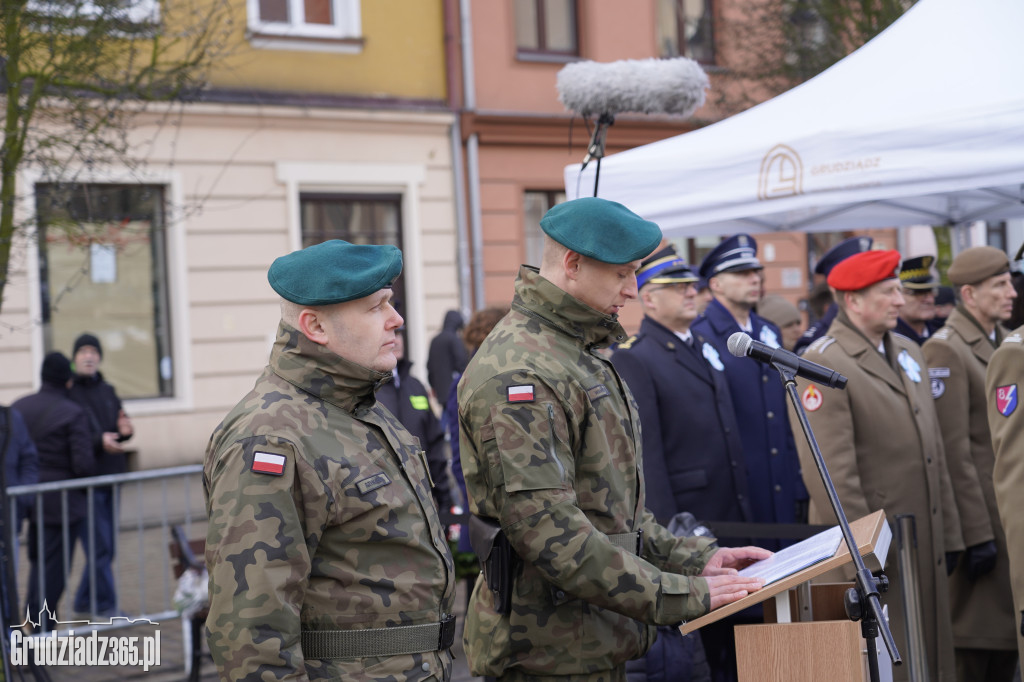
(741, 345)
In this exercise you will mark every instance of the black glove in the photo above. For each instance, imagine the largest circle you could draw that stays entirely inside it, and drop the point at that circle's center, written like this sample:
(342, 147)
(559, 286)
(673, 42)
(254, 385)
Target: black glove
(952, 558)
(981, 559)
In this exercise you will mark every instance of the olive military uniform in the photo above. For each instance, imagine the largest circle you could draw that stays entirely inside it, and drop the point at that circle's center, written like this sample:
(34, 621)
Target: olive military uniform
(881, 442)
(550, 446)
(1003, 383)
(321, 519)
(957, 356)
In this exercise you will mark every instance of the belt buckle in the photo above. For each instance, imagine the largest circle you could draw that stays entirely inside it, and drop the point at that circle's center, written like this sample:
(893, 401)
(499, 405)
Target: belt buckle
(446, 636)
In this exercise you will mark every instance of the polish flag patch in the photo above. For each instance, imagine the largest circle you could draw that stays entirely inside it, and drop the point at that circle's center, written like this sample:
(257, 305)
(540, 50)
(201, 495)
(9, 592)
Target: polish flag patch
(268, 463)
(520, 394)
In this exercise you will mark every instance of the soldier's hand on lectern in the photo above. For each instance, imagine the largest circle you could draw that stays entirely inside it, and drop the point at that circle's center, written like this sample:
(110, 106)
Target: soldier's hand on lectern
(725, 589)
(727, 559)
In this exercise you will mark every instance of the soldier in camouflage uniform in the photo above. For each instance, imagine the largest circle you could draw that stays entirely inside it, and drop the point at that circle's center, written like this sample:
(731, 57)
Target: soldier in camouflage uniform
(550, 446)
(327, 559)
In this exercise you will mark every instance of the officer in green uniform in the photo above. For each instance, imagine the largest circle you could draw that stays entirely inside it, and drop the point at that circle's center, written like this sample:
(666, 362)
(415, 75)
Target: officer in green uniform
(576, 571)
(327, 559)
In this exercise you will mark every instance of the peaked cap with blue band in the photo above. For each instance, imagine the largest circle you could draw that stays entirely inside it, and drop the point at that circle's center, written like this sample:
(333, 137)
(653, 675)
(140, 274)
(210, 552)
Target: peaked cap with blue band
(842, 251)
(736, 254)
(334, 272)
(664, 267)
(600, 229)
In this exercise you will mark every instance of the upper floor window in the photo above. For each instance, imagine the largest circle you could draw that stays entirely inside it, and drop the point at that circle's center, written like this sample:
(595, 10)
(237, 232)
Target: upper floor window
(685, 29)
(103, 270)
(333, 19)
(546, 27)
(356, 218)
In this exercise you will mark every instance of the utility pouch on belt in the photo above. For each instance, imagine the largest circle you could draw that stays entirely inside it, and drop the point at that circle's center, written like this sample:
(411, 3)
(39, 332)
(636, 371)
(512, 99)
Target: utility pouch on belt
(498, 560)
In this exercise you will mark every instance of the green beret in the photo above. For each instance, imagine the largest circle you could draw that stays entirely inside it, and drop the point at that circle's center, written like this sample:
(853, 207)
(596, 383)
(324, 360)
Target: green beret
(601, 229)
(977, 264)
(334, 272)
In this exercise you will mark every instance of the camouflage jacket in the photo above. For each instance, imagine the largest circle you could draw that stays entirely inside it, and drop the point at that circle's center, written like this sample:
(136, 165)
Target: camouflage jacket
(340, 535)
(581, 603)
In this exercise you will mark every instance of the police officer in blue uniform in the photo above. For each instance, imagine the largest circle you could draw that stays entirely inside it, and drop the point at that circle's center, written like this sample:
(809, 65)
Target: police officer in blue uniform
(917, 316)
(777, 492)
(832, 257)
(693, 455)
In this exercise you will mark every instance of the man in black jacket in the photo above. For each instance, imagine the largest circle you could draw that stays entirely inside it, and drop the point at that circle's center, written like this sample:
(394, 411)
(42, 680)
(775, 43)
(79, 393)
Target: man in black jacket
(447, 356)
(60, 429)
(405, 396)
(110, 428)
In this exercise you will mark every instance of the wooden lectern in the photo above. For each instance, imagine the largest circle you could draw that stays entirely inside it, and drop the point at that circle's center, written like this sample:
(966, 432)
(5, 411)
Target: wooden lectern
(830, 650)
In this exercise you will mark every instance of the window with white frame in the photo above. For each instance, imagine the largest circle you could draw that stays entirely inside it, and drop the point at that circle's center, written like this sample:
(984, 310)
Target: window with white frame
(535, 204)
(103, 270)
(323, 19)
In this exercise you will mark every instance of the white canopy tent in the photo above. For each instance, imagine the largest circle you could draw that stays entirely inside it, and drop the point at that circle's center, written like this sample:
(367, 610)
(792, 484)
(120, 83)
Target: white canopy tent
(922, 125)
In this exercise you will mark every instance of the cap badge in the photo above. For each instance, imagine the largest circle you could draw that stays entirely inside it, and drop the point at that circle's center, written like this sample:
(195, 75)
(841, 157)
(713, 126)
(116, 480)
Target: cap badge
(1006, 399)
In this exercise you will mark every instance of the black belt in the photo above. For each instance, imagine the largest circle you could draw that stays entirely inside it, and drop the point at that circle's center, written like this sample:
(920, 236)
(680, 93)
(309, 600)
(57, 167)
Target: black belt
(394, 641)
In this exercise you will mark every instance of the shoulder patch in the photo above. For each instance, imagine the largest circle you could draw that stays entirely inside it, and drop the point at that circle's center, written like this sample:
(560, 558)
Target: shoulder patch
(268, 463)
(1006, 399)
(812, 398)
(520, 394)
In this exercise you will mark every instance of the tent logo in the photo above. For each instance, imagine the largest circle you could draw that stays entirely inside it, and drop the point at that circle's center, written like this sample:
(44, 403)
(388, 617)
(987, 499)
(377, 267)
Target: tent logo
(782, 174)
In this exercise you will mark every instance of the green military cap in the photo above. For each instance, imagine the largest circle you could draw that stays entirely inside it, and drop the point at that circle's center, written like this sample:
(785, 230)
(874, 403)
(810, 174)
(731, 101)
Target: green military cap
(334, 272)
(600, 229)
(977, 264)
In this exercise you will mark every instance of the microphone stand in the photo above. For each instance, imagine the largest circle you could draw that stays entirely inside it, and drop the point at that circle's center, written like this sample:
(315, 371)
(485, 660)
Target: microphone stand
(861, 602)
(595, 150)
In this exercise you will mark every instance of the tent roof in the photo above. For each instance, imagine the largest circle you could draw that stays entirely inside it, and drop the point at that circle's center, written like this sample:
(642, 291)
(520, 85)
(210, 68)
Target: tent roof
(906, 130)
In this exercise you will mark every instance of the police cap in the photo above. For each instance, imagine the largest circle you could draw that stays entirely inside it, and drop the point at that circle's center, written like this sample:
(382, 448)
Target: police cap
(664, 266)
(842, 251)
(600, 229)
(334, 272)
(977, 264)
(916, 273)
(735, 254)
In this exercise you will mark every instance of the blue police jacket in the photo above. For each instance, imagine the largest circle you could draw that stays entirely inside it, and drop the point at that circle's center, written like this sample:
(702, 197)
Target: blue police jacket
(773, 469)
(692, 455)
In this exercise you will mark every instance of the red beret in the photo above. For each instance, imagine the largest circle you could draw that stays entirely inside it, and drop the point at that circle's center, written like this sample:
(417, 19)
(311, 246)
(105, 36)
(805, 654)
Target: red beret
(864, 269)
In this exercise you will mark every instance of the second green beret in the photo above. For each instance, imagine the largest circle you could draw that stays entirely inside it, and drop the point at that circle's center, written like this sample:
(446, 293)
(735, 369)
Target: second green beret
(600, 229)
(334, 271)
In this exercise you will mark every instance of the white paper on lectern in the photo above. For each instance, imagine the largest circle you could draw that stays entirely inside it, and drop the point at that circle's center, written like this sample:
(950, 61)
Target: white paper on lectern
(796, 557)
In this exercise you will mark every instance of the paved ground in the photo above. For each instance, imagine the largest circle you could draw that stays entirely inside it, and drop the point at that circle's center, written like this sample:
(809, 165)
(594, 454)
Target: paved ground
(146, 585)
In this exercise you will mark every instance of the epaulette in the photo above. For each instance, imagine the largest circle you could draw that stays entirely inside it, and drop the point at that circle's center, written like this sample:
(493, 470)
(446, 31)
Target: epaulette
(820, 344)
(628, 343)
(943, 333)
(1013, 338)
(905, 338)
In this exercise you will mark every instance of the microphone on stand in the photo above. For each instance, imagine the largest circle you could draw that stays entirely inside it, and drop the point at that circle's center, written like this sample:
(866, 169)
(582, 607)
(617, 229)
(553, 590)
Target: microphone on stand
(741, 345)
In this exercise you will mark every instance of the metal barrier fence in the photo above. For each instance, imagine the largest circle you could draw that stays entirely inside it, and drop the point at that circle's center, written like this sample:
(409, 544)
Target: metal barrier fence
(146, 505)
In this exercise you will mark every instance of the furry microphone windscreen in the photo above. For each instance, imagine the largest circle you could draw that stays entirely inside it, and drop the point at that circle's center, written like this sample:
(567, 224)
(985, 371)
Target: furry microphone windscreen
(650, 86)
